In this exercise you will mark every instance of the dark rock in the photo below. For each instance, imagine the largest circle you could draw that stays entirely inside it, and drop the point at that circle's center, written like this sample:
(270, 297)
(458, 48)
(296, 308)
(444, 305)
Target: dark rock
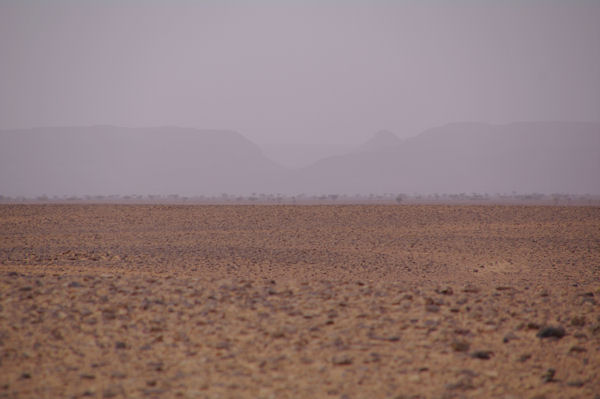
(578, 321)
(463, 384)
(509, 337)
(156, 366)
(120, 345)
(533, 326)
(75, 284)
(445, 291)
(460, 346)
(25, 376)
(471, 289)
(551, 332)
(222, 345)
(432, 308)
(109, 393)
(575, 383)
(548, 376)
(587, 299)
(577, 349)
(483, 355)
(341, 360)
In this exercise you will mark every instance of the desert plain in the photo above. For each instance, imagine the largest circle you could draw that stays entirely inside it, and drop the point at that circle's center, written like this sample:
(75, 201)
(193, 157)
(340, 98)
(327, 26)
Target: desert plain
(257, 301)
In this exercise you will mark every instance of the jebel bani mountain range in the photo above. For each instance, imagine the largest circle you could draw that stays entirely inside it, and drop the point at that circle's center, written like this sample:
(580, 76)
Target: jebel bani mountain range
(524, 157)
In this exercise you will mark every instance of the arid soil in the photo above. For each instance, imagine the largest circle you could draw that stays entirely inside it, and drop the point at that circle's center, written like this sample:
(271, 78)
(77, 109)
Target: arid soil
(403, 301)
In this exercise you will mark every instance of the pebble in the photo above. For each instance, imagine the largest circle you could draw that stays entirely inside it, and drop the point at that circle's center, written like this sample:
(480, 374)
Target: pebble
(432, 308)
(551, 332)
(471, 289)
(548, 376)
(577, 349)
(341, 360)
(509, 337)
(481, 354)
(460, 346)
(445, 291)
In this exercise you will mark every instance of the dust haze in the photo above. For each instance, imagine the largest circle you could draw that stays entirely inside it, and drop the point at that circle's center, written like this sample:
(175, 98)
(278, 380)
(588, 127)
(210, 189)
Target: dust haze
(209, 97)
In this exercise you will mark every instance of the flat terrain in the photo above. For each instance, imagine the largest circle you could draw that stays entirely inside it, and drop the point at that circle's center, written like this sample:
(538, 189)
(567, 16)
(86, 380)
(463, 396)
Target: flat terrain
(103, 301)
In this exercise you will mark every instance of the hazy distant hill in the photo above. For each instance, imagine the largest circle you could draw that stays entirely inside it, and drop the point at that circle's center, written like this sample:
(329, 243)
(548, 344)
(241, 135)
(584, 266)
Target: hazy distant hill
(545, 157)
(383, 140)
(113, 160)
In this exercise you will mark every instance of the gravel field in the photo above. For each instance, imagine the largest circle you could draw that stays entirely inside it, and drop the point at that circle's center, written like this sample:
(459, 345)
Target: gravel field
(258, 301)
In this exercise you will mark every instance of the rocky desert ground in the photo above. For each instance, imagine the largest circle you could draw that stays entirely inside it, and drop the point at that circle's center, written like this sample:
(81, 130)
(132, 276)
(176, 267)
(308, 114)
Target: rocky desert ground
(398, 301)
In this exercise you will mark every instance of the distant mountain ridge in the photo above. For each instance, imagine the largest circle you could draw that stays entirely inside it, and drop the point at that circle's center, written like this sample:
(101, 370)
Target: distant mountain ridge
(114, 160)
(383, 140)
(526, 157)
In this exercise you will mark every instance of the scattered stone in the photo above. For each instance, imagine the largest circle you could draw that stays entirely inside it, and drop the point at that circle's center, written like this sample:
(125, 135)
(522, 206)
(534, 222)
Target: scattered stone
(75, 284)
(551, 332)
(87, 376)
(156, 366)
(576, 383)
(577, 349)
(578, 321)
(460, 346)
(445, 291)
(481, 354)
(463, 384)
(109, 393)
(432, 308)
(471, 289)
(510, 337)
(120, 345)
(342, 360)
(533, 326)
(548, 376)
(222, 345)
(25, 376)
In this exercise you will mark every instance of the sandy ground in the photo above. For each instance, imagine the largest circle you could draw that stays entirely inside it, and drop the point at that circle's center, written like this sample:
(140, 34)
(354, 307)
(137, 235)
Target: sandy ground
(299, 301)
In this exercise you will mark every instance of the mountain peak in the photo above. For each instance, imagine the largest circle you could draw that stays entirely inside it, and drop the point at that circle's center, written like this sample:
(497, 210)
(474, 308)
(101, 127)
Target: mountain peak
(381, 140)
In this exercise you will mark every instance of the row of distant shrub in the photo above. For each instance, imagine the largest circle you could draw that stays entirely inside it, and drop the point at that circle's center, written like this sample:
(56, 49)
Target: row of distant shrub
(557, 198)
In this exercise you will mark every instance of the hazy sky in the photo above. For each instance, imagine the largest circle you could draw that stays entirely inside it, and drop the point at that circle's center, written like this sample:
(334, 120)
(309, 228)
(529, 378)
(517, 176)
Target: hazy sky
(313, 72)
